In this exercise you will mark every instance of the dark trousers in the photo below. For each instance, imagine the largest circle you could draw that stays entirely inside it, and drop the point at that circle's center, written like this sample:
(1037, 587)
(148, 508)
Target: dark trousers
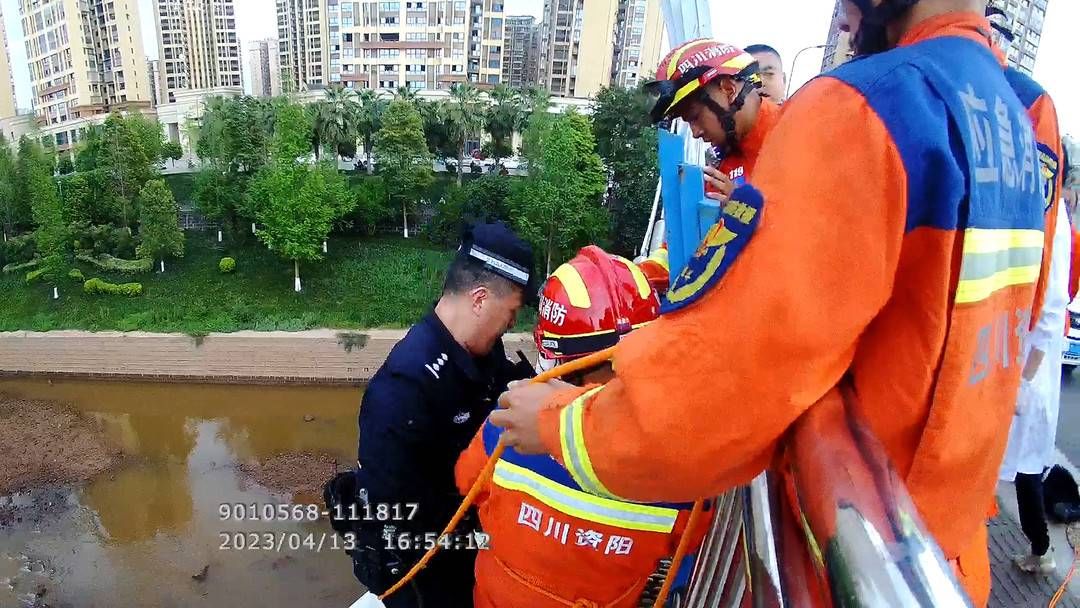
(1029, 501)
(447, 581)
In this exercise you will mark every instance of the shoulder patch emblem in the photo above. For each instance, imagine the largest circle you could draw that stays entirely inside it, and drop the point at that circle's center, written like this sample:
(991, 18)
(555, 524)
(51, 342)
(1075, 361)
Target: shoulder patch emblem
(1051, 167)
(718, 250)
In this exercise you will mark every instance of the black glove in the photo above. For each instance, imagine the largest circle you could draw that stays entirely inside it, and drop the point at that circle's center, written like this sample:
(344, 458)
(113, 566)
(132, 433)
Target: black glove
(522, 368)
(340, 496)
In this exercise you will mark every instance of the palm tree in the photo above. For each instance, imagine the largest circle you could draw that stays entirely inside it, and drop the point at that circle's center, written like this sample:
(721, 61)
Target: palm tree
(406, 94)
(535, 99)
(465, 118)
(335, 121)
(368, 115)
(503, 119)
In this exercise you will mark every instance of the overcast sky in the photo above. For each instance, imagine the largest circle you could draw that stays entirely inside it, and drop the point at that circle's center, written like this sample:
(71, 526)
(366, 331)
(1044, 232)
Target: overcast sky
(788, 25)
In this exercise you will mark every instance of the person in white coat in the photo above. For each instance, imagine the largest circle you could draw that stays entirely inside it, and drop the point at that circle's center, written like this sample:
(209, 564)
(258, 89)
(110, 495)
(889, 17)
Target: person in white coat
(1032, 435)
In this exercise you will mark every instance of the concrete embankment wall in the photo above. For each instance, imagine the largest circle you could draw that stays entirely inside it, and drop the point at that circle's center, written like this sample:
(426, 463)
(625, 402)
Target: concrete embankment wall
(322, 356)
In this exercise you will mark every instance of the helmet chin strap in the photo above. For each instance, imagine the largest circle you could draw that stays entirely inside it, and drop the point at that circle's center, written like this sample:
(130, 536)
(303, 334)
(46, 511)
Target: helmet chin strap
(872, 36)
(727, 117)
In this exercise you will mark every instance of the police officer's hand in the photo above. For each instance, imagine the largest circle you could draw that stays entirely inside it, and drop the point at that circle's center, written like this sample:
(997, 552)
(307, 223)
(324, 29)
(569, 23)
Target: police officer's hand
(520, 407)
(720, 184)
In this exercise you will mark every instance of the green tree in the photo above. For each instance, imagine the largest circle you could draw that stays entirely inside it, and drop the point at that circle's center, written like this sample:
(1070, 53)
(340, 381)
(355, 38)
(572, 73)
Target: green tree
(368, 120)
(406, 94)
(50, 233)
(503, 119)
(12, 209)
(334, 123)
(626, 140)
(297, 204)
(481, 200)
(78, 199)
(159, 225)
(173, 150)
(129, 148)
(436, 130)
(465, 119)
(403, 157)
(557, 207)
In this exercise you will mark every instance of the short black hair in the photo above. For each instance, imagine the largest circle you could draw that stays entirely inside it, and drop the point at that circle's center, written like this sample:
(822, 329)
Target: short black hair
(763, 48)
(466, 274)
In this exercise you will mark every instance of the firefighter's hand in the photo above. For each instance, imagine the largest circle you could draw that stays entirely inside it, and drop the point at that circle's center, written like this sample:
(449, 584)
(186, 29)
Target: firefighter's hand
(519, 414)
(720, 182)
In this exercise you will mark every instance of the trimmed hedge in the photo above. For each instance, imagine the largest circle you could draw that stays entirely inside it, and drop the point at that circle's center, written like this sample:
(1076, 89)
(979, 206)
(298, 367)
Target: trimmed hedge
(227, 265)
(97, 286)
(108, 263)
(33, 275)
(76, 275)
(12, 268)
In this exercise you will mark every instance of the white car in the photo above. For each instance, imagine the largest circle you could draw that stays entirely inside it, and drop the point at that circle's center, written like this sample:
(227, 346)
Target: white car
(1070, 356)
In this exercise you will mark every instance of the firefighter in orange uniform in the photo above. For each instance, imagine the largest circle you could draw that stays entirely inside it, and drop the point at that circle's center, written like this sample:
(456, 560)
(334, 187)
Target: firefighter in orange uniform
(891, 242)
(545, 531)
(736, 128)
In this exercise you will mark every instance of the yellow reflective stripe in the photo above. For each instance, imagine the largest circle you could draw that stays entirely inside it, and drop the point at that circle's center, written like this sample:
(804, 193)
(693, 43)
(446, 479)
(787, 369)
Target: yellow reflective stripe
(684, 92)
(995, 259)
(678, 55)
(585, 506)
(572, 440)
(982, 240)
(739, 62)
(975, 290)
(660, 256)
(574, 285)
(644, 290)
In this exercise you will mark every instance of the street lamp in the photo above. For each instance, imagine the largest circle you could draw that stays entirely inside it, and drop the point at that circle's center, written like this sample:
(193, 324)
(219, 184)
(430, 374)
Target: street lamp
(791, 76)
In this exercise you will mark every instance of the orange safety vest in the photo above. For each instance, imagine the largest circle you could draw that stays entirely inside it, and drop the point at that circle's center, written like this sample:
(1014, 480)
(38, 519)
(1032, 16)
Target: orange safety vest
(552, 544)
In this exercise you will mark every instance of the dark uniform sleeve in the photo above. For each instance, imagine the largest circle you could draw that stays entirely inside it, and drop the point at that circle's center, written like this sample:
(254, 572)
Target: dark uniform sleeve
(394, 427)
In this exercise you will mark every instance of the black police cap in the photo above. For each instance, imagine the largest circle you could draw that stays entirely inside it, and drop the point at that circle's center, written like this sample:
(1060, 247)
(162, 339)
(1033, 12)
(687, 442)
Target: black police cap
(500, 251)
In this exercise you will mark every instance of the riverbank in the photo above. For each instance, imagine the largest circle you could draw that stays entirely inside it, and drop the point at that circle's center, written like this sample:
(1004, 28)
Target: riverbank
(322, 356)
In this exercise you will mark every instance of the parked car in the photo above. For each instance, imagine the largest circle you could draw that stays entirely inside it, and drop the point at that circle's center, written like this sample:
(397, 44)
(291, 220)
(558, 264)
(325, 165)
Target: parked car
(1070, 356)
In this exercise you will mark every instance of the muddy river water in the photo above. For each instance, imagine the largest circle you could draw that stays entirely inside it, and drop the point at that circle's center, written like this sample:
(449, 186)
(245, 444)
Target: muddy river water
(149, 532)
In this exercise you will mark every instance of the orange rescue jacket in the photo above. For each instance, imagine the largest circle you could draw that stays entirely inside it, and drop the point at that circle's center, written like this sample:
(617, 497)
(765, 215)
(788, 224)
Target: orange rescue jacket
(894, 239)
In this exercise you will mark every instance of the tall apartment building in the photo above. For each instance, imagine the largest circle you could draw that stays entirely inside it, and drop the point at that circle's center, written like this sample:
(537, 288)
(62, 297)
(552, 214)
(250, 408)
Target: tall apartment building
(197, 46)
(838, 43)
(304, 42)
(517, 48)
(153, 72)
(1025, 20)
(7, 84)
(585, 46)
(86, 59)
(639, 39)
(264, 69)
(417, 44)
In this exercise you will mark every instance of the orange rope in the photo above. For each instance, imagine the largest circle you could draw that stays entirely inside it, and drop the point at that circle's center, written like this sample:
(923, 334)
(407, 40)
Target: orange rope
(1065, 585)
(680, 553)
(485, 473)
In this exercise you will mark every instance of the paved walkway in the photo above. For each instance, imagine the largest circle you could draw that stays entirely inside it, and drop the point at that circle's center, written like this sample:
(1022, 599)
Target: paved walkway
(322, 356)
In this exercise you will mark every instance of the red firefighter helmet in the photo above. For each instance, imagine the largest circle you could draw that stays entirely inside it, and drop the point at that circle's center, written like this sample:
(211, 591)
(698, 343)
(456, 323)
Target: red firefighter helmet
(588, 303)
(691, 66)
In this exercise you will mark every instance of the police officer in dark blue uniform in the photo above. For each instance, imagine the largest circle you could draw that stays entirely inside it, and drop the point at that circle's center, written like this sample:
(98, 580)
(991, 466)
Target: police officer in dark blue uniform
(422, 408)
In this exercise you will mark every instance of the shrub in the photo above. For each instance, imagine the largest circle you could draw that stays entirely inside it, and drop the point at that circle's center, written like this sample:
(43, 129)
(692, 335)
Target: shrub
(76, 275)
(19, 267)
(97, 286)
(227, 265)
(33, 275)
(18, 249)
(109, 263)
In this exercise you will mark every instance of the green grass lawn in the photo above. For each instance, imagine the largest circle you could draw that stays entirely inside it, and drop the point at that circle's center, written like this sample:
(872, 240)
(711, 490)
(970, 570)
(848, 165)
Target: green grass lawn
(362, 283)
